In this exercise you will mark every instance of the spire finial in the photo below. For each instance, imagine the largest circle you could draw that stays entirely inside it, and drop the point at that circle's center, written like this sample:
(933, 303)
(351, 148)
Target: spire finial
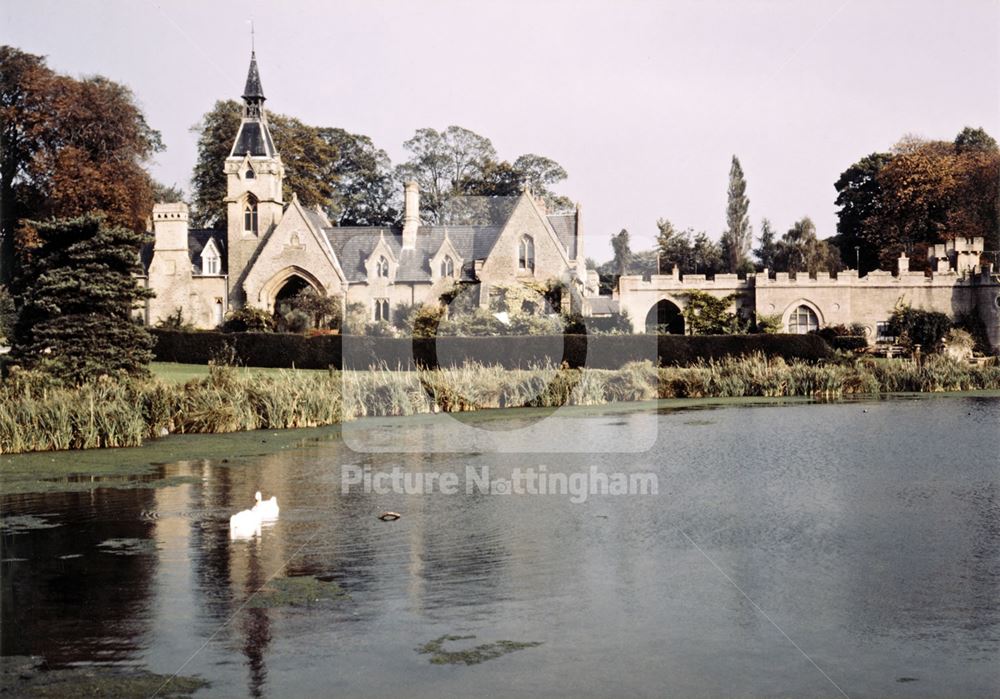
(252, 47)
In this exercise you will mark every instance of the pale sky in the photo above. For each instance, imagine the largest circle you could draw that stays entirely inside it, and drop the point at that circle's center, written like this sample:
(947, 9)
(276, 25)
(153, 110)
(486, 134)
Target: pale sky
(643, 103)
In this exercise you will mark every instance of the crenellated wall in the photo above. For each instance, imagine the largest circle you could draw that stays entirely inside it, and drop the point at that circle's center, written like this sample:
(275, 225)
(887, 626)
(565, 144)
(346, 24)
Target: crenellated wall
(842, 300)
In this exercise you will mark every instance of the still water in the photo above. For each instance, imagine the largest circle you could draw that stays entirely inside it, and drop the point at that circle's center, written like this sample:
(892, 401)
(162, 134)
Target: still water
(813, 550)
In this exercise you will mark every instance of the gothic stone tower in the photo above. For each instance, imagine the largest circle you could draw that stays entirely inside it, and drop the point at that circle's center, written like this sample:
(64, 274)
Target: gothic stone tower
(254, 175)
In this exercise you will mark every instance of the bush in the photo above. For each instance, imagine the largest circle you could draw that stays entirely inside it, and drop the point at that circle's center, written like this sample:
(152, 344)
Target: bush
(248, 320)
(602, 351)
(918, 327)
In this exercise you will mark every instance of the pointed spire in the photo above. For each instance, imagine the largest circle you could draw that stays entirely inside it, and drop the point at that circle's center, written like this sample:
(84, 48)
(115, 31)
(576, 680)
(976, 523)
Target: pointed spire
(253, 91)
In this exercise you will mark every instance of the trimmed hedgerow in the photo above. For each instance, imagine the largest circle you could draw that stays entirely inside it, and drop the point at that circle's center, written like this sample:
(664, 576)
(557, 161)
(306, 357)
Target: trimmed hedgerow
(599, 352)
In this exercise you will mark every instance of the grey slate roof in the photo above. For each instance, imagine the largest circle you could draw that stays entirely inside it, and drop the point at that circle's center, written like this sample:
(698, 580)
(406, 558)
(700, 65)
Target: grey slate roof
(565, 227)
(197, 240)
(353, 246)
(253, 88)
(603, 305)
(254, 138)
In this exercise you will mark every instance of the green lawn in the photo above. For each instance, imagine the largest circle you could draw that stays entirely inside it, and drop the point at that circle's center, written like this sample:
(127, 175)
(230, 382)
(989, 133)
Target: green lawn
(171, 372)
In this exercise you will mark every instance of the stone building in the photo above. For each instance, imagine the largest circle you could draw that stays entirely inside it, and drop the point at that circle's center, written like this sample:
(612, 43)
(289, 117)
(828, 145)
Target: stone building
(959, 285)
(272, 249)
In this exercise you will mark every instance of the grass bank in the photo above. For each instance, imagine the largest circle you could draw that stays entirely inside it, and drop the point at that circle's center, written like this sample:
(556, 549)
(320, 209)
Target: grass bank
(37, 414)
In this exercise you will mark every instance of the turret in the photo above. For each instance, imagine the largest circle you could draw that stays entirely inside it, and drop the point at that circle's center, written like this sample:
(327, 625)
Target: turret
(254, 179)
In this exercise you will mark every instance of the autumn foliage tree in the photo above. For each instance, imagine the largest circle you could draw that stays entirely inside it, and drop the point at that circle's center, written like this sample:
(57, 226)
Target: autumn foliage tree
(339, 171)
(70, 147)
(921, 193)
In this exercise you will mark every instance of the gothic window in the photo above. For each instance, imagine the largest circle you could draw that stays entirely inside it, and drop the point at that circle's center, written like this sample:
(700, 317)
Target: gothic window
(447, 267)
(250, 216)
(382, 267)
(249, 174)
(381, 311)
(802, 320)
(526, 254)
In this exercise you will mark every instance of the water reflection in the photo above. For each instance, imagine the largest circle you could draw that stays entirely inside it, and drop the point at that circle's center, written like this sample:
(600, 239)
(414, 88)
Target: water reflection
(861, 534)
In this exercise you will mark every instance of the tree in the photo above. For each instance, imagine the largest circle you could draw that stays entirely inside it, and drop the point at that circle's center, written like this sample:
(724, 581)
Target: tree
(706, 257)
(705, 314)
(673, 247)
(364, 193)
(859, 195)
(76, 321)
(971, 140)
(442, 163)
(343, 173)
(799, 250)
(736, 240)
(767, 253)
(69, 147)
(458, 162)
(623, 253)
(922, 193)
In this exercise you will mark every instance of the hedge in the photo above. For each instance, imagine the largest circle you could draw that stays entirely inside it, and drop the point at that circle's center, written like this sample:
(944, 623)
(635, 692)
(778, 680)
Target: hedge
(598, 352)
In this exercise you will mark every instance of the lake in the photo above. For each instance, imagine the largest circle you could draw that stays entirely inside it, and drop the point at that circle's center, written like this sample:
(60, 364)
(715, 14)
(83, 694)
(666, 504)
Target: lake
(790, 549)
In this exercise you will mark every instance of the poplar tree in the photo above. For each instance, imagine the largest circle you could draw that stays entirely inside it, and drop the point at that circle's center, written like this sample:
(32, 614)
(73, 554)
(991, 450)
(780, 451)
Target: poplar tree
(735, 242)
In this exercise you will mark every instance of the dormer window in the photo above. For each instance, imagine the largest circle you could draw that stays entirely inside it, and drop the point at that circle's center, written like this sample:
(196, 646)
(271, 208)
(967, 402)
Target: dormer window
(447, 267)
(250, 216)
(211, 265)
(526, 254)
(382, 267)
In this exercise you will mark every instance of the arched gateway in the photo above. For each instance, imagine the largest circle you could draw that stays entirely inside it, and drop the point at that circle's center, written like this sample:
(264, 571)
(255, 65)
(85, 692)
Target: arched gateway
(665, 317)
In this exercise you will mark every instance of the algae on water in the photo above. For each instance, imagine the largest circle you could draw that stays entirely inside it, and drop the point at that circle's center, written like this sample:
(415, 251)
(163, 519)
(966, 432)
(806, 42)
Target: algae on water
(128, 546)
(18, 524)
(470, 656)
(298, 591)
(27, 676)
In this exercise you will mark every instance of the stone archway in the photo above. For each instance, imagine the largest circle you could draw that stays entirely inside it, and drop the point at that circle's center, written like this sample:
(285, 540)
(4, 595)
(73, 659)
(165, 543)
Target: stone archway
(286, 284)
(665, 317)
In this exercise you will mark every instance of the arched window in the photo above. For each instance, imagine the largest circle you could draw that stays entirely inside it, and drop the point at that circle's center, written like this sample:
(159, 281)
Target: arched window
(249, 174)
(526, 254)
(250, 216)
(382, 267)
(381, 309)
(447, 267)
(802, 320)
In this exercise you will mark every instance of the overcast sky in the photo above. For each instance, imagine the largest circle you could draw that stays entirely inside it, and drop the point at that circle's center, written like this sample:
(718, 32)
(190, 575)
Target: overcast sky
(643, 103)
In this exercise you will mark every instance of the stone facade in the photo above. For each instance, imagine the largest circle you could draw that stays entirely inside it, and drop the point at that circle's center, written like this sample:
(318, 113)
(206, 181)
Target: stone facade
(957, 288)
(271, 248)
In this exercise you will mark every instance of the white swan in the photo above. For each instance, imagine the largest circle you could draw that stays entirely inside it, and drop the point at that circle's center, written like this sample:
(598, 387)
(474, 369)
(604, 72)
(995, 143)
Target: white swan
(266, 509)
(244, 525)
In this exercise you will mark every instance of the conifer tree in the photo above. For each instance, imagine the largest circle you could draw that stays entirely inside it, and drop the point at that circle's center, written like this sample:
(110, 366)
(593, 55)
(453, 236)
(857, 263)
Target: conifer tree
(80, 294)
(735, 242)
(767, 253)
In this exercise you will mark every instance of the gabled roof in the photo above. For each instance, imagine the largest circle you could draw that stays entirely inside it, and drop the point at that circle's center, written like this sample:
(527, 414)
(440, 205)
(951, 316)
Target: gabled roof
(354, 244)
(197, 240)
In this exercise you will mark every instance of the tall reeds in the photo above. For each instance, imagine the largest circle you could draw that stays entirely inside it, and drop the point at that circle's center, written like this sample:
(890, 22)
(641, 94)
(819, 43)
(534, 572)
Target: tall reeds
(39, 414)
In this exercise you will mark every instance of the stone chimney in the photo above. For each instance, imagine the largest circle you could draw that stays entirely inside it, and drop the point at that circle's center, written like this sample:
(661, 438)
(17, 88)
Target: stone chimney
(411, 214)
(170, 226)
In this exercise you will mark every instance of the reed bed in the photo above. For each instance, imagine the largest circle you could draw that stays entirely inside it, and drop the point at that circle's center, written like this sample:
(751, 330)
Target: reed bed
(39, 414)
